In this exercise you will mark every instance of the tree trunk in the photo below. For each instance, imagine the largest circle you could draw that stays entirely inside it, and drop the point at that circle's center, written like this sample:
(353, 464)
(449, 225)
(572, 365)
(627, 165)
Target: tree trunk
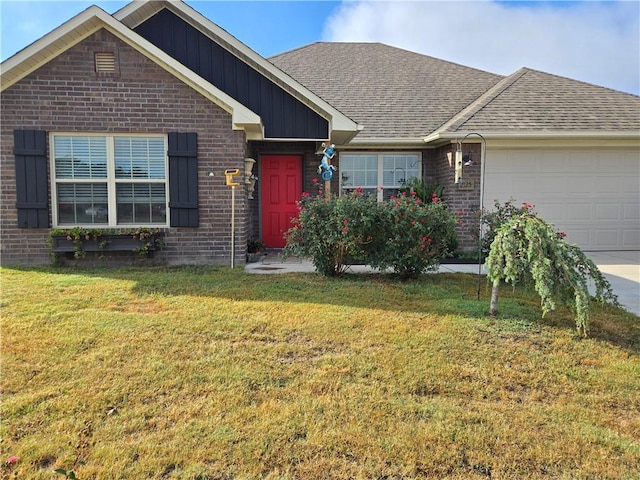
(493, 308)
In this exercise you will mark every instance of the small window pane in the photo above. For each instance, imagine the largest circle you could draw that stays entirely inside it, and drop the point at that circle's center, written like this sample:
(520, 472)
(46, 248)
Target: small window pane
(80, 157)
(141, 203)
(82, 203)
(399, 168)
(137, 157)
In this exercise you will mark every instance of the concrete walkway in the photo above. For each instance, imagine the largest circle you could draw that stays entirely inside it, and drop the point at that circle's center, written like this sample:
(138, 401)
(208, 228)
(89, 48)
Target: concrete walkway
(622, 269)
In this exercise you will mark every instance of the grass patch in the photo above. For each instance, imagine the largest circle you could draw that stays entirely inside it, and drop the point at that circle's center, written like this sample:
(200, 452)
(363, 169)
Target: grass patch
(209, 373)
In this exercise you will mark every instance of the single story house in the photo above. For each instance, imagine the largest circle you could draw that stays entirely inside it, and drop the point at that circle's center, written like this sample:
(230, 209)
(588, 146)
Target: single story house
(132, 120)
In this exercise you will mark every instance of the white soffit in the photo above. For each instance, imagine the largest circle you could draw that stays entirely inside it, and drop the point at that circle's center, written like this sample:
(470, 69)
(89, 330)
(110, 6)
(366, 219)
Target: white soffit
(91, 20)
(538, 139)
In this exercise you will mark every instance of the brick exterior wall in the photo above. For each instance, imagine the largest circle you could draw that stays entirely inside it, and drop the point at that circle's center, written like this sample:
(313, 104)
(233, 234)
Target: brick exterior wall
(464, 197)
(67, 95)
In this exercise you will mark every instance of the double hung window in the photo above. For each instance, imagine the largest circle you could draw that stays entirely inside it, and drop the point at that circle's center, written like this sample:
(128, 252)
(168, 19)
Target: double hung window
(109, 180)
(381, 174)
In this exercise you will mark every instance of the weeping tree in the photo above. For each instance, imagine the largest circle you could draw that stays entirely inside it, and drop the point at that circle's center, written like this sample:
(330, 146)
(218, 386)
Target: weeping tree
(528, 249)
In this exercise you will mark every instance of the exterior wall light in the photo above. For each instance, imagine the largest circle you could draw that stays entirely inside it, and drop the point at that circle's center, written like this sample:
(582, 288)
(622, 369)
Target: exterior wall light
(458, 165)
(248, 169)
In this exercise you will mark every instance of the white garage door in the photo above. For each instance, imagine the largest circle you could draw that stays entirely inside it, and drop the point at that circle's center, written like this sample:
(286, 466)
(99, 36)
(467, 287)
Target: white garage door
(593, 195)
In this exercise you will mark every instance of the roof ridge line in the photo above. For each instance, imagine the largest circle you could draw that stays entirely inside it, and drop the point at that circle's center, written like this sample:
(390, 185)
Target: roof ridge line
(482, 101)
(286, 52)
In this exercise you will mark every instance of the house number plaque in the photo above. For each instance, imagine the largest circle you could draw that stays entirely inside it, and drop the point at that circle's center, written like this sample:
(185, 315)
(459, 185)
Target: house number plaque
(466, 185)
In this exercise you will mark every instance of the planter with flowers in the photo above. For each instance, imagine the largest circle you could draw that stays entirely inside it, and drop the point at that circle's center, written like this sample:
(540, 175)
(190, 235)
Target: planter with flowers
(78, 241)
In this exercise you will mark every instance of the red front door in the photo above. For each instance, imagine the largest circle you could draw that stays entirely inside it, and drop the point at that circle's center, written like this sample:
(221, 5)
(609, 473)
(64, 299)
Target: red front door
(281, 179)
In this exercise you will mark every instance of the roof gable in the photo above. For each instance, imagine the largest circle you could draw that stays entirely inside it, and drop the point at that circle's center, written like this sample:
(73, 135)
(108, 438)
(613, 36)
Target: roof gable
(283, 116)
(530, 100)
(91, 20)
(341, 127)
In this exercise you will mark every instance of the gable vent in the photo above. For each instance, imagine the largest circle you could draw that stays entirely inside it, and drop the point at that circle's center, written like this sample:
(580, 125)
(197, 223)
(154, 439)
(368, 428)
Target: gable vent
(105, 62)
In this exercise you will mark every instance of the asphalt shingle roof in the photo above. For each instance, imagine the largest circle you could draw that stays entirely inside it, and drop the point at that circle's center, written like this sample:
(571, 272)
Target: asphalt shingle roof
(396, 93)
(530, 100)
(393, 93)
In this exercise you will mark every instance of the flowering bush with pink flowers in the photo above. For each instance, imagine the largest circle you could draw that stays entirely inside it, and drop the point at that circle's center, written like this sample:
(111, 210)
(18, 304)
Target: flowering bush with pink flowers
(333, 231)
(414, 235)
(403, 233)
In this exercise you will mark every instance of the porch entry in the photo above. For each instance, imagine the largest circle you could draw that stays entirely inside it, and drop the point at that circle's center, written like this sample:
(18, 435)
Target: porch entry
(281, 179)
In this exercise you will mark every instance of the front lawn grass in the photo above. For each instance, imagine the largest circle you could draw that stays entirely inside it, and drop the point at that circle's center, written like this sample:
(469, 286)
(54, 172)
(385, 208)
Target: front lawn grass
(209, 373)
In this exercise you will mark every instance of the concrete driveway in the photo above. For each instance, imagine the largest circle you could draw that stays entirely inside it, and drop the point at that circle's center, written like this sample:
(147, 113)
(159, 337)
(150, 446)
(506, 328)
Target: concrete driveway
(622, 269)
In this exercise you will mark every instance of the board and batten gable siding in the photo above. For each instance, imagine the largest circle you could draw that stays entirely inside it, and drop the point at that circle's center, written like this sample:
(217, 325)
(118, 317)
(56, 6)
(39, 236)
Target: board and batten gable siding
(67, 95)
(283, 115)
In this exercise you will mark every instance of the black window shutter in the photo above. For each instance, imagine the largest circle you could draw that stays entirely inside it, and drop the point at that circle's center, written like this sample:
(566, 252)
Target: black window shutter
(32, 186)
(183, 179)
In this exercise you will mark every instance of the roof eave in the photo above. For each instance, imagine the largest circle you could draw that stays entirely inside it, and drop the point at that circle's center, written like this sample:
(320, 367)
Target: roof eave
(540, 138)
(386, 142)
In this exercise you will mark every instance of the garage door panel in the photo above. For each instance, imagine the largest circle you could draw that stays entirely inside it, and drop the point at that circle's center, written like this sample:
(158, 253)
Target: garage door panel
(552, 212)
(630, 239)
(576, 185)
(580, 213)
(578, 236)
(607, 212)
(591, 194)
(544, 184)
(528, 161)
(628, 185)
(631, 211)
(606, 238)
(496, 187)
(609, 184)
(619, 161)
(564, 162)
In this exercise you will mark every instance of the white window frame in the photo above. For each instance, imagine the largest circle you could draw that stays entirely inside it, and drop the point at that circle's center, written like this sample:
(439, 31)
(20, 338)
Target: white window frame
(380, 186)
(110, 180)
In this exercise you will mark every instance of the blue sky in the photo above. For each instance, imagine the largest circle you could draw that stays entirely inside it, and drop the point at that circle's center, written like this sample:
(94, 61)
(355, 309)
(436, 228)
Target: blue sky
(595, 42)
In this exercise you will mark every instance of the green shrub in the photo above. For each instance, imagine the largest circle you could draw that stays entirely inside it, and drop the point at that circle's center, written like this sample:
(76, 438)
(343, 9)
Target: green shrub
(403, 233)
(527, 249)
(413, 236)
(493, 220)
(422, 190)
(333, 231)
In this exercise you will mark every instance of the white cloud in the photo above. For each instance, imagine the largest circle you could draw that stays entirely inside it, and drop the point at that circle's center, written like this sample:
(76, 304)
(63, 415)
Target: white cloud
(593, 42)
